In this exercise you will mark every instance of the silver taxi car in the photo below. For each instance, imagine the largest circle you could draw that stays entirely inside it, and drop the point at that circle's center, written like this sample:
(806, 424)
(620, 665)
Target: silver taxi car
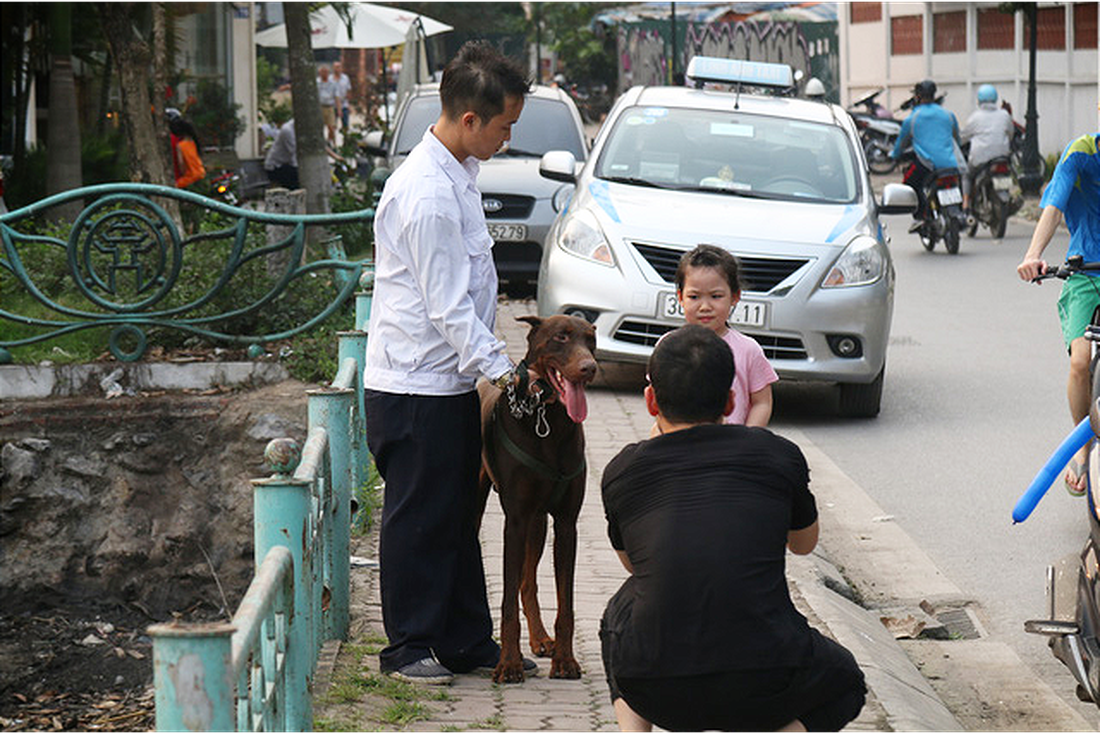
(780, 182)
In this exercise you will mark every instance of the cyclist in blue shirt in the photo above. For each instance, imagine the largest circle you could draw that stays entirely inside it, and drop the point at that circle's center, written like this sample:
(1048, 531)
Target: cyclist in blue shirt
(1074, 194)
(934, 134)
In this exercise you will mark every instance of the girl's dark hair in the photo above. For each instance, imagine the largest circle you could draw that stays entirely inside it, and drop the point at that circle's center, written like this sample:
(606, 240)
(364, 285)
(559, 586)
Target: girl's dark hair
(691, 370)
(478, 79)
(181, 128)
(710, 256)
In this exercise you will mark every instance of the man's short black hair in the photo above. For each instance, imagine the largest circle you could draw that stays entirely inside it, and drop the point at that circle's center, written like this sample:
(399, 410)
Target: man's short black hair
(479, 78)
(691, 370)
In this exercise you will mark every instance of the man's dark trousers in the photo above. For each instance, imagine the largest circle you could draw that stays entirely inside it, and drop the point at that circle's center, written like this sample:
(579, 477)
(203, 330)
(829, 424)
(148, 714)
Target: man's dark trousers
(428, 450)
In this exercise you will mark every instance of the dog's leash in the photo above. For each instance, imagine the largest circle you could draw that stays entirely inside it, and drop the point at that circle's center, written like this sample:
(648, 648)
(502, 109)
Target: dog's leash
(561, 480)
(519, 407)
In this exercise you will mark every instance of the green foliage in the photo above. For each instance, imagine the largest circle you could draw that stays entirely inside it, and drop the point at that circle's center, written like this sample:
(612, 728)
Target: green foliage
(215, 116)
(587, 59)
(369, 497)
(103, 159)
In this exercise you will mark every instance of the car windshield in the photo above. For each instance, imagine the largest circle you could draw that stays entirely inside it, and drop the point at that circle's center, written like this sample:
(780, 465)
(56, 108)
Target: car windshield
(544, 125)
(731, 153)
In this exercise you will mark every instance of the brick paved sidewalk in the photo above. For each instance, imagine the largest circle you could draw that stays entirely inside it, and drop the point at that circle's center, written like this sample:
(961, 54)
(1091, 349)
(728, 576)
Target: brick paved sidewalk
(474, 703)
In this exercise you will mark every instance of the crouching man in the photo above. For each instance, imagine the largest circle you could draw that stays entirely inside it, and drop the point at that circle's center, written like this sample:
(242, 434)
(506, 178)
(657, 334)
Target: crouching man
(703, 634)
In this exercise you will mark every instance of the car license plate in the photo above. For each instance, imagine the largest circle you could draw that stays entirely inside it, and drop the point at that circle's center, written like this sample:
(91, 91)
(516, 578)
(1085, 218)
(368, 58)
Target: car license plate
(950, 196)
(508, 232)
(1002, 183)
(745, 313)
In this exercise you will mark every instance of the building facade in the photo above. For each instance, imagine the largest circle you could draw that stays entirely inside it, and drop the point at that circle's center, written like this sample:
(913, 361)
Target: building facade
(893, 45)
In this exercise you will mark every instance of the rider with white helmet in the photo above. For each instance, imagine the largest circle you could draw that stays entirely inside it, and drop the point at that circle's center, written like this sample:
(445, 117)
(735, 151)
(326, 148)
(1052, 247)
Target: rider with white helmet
(988, 130)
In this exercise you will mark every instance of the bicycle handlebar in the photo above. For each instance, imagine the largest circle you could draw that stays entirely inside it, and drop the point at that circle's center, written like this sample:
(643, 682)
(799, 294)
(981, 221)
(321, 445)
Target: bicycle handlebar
(1073, 265)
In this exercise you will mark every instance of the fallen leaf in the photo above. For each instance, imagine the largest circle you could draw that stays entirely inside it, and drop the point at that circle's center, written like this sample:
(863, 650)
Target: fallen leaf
(905, 628)
(20, 696)
(91, 640)
(135, 654)
(119, 652)
(105, 705)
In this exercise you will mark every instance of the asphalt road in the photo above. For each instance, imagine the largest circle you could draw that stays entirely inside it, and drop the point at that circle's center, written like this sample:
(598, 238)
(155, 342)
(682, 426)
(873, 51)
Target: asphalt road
(973, 405)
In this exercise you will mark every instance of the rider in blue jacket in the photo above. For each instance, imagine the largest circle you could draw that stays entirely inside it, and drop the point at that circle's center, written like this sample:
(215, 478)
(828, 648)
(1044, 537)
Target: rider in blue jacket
(934, 134)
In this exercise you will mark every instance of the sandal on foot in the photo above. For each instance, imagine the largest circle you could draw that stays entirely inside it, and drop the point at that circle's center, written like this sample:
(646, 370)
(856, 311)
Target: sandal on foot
(1079, 471)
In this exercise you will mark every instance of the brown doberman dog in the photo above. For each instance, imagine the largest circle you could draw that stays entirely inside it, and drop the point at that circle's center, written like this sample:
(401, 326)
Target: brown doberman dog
(534, 455)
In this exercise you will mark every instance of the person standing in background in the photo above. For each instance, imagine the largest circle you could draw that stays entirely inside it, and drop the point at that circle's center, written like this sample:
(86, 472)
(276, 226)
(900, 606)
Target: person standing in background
(343, 89)
(326, 93)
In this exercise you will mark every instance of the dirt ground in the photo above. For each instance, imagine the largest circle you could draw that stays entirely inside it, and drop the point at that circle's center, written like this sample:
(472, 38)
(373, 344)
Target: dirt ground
(132, 511)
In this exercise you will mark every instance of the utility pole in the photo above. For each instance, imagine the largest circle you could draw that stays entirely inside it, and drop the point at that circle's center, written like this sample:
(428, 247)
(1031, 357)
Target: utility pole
(1032, 179)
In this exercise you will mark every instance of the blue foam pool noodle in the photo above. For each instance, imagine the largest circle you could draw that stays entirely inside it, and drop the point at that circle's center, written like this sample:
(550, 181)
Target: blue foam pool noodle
(1046, 476)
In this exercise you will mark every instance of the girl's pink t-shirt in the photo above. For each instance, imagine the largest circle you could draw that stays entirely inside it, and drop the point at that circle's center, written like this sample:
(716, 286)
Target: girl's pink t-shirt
(752, 372)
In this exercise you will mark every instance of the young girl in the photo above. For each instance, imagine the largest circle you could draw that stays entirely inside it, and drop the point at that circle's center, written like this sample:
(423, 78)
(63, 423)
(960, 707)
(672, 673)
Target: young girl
(708, 284)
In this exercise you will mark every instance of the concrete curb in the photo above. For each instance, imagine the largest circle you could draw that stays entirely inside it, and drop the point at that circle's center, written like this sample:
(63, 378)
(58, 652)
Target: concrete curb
(31, 382)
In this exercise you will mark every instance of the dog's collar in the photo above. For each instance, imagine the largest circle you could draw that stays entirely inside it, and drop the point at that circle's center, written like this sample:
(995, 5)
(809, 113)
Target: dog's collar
(546, 390)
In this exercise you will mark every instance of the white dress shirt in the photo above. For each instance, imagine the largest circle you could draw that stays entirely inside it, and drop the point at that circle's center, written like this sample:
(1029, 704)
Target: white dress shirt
(435, 288)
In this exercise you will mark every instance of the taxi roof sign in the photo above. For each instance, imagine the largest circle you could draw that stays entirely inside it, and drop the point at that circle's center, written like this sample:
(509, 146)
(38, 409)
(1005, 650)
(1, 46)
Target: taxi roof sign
(704, 69)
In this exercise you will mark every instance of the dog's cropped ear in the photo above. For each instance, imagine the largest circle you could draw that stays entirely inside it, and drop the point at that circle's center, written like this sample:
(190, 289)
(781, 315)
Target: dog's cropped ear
(534, 321)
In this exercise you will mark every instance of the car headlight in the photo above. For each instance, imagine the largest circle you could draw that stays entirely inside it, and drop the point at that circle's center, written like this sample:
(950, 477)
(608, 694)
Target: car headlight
(863, 262)
(581, 236)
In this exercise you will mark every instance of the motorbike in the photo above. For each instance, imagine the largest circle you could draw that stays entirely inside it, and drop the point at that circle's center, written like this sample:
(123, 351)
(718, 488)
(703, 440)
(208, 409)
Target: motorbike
(1072, 625)
(994, 196)
(223, 187)
(943, 217)
(878, 131)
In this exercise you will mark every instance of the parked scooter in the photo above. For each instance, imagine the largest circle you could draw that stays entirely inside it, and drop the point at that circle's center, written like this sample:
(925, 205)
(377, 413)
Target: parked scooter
(878, 131)
(943, 217)
(1073, 582)
(223, 187)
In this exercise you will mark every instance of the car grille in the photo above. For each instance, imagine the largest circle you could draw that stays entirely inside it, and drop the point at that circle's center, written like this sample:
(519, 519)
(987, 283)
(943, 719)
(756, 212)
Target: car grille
(775, 347)
(512, 206)
(759, 274)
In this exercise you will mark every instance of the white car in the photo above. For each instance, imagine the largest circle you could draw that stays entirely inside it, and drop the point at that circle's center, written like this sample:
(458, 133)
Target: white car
(518, 202)
(780, 182)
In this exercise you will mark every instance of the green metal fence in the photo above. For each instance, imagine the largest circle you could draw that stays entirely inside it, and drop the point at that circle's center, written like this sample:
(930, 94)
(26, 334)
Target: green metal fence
(127, 257)
(256, 673)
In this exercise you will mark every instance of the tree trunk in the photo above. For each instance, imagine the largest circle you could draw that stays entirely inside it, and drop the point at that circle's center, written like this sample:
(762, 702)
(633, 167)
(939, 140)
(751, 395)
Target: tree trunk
(132, 57)
(161, 64)
(313, 168)
(63, 171)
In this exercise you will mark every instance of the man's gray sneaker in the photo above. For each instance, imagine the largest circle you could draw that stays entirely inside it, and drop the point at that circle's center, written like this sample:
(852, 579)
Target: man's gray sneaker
(428, 671)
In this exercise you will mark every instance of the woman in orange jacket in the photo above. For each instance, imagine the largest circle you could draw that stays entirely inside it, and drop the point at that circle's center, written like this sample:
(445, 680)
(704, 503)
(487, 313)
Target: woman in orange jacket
(185, 152)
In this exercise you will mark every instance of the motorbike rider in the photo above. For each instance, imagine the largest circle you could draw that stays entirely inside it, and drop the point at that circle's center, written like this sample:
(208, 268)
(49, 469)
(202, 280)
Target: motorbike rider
(1073, 193)
(989, 131)
(933, 133)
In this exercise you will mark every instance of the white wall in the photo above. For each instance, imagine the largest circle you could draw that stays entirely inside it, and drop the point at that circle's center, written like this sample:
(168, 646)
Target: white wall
(1067, 81)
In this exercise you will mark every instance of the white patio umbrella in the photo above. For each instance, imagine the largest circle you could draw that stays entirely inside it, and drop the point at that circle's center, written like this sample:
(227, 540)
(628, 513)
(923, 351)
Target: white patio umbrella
(373, 26)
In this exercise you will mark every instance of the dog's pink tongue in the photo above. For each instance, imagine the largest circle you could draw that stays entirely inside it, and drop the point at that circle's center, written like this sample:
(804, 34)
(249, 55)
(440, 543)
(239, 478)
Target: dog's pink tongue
(575, 402)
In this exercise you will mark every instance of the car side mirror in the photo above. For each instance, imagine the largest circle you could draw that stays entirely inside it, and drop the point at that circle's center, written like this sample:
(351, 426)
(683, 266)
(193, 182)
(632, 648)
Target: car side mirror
(898, 199)
(374, 142)
(559, 165)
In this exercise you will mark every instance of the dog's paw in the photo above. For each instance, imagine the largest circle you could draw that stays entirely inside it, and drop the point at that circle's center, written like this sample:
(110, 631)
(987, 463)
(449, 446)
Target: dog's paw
(543, 648)
(567, 668)
(508, 673)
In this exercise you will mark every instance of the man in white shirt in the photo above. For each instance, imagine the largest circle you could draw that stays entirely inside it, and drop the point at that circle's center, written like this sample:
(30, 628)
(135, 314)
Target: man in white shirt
(326, 94)
(431, 338)
(343, 87)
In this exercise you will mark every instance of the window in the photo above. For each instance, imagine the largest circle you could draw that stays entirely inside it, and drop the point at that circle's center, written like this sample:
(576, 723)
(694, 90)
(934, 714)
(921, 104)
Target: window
(906, 35)
(1084, 25)
(865, 12)
(949, 32)
(1052, 29)
(995, 29)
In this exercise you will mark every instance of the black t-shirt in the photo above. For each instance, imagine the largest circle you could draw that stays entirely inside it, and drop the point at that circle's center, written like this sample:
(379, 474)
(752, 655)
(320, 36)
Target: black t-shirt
(703, 514)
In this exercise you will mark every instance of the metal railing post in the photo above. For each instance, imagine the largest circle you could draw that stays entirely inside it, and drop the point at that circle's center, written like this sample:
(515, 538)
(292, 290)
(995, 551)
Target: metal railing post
(282, 516)
(354, 344)
(332, 407)
(363, 299)
(193, 677)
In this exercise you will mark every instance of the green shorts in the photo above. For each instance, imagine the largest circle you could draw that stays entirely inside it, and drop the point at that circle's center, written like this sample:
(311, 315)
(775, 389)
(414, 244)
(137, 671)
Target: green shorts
(1080, 297)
